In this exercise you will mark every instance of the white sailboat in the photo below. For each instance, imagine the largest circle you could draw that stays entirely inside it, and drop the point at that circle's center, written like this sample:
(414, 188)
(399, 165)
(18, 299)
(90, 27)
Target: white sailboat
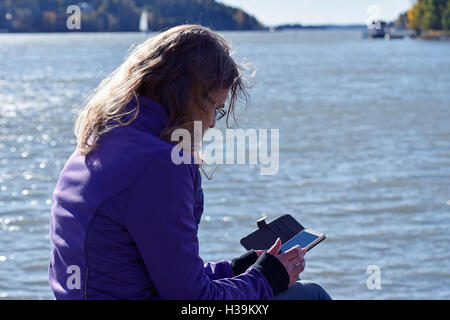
(143, 22)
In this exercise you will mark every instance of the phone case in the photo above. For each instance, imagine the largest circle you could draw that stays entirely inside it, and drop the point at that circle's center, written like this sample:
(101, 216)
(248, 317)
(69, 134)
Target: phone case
(284, 227)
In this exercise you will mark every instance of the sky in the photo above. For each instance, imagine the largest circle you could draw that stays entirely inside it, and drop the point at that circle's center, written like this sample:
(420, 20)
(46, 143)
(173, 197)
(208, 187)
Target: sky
(274, 12)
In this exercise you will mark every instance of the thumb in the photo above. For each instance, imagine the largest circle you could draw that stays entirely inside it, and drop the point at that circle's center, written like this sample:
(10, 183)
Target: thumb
(275, 248)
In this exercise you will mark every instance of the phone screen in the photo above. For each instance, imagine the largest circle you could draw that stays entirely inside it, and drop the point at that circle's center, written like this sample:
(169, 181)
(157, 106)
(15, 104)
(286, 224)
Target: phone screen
(303, 239)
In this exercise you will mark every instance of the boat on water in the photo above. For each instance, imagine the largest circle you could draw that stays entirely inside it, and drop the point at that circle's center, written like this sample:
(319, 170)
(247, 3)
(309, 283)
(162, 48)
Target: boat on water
(377, 30)
(381, 30)
(143, 22)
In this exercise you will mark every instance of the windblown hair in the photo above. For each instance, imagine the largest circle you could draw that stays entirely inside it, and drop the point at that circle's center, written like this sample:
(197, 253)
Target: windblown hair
(177, 68)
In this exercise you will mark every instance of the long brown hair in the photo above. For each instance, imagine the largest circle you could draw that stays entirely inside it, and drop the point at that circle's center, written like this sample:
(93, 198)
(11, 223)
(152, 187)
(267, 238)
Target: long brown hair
(177, 68)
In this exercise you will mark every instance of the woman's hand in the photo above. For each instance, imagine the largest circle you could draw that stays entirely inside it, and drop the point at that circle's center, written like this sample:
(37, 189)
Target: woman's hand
(292, 260)
(260, 252)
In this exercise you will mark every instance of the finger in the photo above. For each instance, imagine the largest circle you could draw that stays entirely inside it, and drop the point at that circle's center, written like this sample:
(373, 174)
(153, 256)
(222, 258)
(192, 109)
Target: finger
(302, 253)
(290, 265)
(275, 248)
(292, 253)
(299, 255)
(295, 254)
(294, 275)
(300, 267)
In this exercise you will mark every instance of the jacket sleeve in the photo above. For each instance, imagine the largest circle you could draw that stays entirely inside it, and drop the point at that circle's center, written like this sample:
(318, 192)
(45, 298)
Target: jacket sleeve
(228, 269)
(219, 270)
(160, 218)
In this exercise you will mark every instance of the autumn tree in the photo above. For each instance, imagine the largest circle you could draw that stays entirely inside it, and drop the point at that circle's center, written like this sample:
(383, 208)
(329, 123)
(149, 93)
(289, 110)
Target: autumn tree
(429, 15)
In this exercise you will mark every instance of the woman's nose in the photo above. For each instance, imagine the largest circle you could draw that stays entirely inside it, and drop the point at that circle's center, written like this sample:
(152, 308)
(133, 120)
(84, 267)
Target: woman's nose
(213, 123)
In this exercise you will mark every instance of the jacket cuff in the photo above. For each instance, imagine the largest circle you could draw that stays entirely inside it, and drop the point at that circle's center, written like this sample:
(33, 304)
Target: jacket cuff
(274, 271)
(241, 264)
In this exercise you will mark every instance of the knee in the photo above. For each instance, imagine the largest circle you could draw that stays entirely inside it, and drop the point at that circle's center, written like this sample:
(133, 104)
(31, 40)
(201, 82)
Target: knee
(316, 291)
(304, 290)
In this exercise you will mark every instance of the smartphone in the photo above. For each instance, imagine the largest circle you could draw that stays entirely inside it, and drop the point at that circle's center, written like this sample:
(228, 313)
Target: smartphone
(307, 238)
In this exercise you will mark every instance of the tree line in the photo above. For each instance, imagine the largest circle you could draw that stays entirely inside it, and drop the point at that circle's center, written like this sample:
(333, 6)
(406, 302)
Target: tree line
(121, 15)
(427, 15)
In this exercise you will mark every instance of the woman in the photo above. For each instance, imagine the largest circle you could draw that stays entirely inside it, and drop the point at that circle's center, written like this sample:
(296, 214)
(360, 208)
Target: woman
(124, 216)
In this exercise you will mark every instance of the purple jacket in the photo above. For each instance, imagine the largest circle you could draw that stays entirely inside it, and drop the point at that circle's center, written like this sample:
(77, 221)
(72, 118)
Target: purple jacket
(124, 224)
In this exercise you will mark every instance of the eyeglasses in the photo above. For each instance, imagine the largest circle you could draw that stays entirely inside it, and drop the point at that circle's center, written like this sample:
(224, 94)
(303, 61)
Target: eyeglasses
(219, 109)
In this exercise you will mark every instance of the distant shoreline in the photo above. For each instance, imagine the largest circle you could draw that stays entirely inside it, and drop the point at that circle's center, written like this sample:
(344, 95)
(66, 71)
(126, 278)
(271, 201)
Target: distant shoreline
(435, 35)
(429, 35)
(265, 29)
(283, 27)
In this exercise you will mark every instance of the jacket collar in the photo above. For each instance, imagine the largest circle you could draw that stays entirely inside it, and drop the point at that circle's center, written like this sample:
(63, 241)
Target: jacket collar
(152, 117)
